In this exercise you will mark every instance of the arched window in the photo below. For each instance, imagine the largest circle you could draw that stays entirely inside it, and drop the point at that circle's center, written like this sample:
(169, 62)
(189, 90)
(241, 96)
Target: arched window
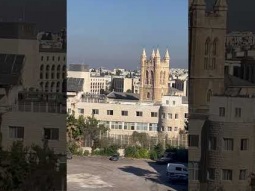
(41, 68)
(52, 86)
(152, 77)
(209, 94)
(164, 77)
(148, 95)
(57, 87)
(207, 46)
(46, 86)
(147, 77)
(214, 48)
(64, 72)
(41, 85)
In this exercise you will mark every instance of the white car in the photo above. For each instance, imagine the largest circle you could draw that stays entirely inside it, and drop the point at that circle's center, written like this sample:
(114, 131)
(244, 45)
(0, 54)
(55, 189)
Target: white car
(177, 171)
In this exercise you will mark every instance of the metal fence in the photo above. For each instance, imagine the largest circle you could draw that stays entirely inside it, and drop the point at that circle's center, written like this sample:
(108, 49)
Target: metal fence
(126, 140)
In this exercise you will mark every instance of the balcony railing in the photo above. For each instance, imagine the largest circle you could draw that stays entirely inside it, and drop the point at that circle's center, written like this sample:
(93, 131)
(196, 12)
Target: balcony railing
(40, 107)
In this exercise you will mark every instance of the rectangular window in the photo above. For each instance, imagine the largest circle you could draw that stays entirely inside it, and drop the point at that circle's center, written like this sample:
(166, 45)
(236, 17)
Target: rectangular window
(139, 113)
(173, 102)
(163, 116)
(69, 110)
(176, 116)
(47, 58)
(142, 126)
(95, 111)
(167, 102)
(153, 127)
(193, 170)
(186, 115)
(170, 116)
(226, 174)
(154, 114)
(129, 126)
(243, 174)
(244, 144)
(212, 143)
(41, 58)
(109, 112)
(80, 111)
(228, 144)
(116, 125)
(124, 113)
(211, 174)
(222, 111)
(162, 128)
(53, 58)
(16, 132)
(169, 128)
(238, 112)
(51, 133)
(193, 140)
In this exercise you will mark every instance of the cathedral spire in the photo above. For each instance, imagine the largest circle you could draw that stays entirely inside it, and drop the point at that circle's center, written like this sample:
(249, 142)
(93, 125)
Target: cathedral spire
(198, 2)
(167, 55)
(157, 53)
(144, 53)
(220, 3)
(153, 54)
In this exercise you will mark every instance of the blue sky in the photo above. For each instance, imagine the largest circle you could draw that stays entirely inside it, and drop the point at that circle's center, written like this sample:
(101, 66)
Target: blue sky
(112, 33)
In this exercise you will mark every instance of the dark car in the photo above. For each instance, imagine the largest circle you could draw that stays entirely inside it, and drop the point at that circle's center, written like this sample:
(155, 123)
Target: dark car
(179, 179)
(114, 157)
(167, 158)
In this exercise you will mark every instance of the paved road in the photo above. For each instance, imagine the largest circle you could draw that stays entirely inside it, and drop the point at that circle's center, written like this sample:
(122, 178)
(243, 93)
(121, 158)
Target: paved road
(100, 174)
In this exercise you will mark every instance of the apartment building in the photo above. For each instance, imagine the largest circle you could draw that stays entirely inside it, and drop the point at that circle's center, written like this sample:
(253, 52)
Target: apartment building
(34, 117)
(124, 115)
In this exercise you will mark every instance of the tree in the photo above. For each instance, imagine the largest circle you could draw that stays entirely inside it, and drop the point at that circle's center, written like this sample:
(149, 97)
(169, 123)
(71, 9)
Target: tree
(140, 139)
(118, 72)
(92, 129)
(28, 168)
(129, 91)
(73, 131)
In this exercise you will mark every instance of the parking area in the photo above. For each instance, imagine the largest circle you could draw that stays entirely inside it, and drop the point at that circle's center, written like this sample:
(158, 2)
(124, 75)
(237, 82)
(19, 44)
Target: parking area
(99, 173)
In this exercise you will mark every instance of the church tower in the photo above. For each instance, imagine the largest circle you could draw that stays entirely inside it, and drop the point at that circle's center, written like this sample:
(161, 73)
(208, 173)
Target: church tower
(154, 76)
(207, 31)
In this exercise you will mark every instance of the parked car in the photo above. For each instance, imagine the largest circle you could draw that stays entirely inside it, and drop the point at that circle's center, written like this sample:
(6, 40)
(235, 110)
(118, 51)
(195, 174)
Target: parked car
(114, 157)
(177, 173)
(167, 158)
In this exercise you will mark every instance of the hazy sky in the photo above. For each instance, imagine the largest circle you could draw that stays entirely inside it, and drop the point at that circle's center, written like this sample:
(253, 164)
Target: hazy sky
(113, 33)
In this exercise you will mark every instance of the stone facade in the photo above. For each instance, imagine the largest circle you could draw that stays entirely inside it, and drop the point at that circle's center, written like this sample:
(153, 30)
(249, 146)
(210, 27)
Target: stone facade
(154, 76)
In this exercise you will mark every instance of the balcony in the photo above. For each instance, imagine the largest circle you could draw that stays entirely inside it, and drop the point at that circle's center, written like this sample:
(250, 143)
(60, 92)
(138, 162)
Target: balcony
(39, 107)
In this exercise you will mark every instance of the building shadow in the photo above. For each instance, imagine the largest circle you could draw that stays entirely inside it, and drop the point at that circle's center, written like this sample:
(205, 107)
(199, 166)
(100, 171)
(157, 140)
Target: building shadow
(161, 171)
(158, 177)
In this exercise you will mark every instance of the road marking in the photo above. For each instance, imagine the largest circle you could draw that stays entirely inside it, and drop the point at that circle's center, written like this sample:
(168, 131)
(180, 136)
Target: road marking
(85, 180)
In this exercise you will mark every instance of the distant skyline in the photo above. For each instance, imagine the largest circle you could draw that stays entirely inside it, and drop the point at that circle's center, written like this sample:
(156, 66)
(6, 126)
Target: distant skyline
(113, 33)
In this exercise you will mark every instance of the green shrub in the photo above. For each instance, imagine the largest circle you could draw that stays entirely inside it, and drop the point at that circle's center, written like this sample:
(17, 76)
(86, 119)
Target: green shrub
(73, 147)
(78, 152)
(153, 155)
(136, 152)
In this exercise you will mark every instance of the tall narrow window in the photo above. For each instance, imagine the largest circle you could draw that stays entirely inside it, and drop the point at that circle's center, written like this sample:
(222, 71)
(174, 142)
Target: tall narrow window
(147, 77)
(152, 78)
(207, 46)
(209, 94)
(214, 49)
